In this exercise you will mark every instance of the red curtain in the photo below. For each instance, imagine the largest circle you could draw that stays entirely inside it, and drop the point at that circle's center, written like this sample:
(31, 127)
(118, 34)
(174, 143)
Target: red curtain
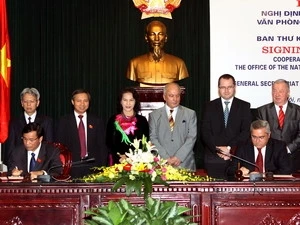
(5, 65)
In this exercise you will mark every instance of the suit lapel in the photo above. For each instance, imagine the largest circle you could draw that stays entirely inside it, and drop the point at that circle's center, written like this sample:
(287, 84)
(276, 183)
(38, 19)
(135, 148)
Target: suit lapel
(233, 109)
(220, 112)
(288, 115)
(22, 121)
(268, 154)
(41, 158)
(274, 118)
(178, 118)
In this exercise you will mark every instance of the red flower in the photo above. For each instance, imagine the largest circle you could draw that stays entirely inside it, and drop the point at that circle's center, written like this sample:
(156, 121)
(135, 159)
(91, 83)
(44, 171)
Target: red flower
(127, 167)
(91, 126)
(39, 160)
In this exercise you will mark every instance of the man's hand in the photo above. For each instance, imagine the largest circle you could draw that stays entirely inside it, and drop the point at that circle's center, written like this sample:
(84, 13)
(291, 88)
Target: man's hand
(245, 171)
(16, 172)
(225, 152)
(34, 174)
(173, 161)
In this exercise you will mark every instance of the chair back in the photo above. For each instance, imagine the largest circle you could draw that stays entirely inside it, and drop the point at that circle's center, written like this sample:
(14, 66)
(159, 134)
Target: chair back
(66, 159)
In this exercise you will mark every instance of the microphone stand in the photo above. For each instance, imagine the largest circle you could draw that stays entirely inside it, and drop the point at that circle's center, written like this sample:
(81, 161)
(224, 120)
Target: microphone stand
(257, 176)
(47, 178)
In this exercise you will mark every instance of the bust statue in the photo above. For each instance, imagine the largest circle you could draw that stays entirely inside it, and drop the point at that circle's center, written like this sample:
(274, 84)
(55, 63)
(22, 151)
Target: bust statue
(156, 67)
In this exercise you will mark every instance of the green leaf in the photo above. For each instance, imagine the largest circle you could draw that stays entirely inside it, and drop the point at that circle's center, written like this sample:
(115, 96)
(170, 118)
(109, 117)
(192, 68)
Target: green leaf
(182, 209)
(158, 222)
(137, 186)
(90, 222)
(102, 220)
(115, 215)
(147, 187)
(119, 183)
(153, 205)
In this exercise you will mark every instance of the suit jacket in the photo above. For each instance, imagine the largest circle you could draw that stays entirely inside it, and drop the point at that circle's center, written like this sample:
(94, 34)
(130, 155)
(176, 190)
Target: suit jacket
(181, 141)
(213, 130)
(67, 134)
(276, 157)
(214, 133)
(15, 132)
(290, 133)
(48, 157)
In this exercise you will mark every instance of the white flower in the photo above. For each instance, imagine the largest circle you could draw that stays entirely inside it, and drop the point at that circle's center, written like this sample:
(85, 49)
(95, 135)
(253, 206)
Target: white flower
(136, 143)
(131, 177)
(153, 175)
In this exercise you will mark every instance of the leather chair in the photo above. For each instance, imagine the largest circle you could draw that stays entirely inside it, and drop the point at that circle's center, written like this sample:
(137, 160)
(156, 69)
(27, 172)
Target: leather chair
(66, 159)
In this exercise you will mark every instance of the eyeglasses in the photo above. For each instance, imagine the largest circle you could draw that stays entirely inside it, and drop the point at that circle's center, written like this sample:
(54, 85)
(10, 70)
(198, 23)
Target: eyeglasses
(258, 138)
(226, 88)
(31, 140)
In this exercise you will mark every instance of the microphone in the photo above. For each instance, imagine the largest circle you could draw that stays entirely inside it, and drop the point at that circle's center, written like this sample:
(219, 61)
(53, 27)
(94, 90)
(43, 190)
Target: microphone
(47, 178)
(255, 176)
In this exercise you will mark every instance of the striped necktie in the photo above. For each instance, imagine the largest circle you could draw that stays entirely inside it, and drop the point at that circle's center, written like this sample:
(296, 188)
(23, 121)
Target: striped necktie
(171, 120)
(280, 117)
(226, 113)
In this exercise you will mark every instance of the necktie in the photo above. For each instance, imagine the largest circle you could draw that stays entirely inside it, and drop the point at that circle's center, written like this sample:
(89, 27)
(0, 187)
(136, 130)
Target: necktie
(226, 113)
(32, 162)
(29, 119)
(171, 120)
(280, 117)
(81, 132)
(259, 161)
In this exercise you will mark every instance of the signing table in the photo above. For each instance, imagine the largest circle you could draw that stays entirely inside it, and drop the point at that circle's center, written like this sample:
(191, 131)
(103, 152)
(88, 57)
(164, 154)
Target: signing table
(212, 203)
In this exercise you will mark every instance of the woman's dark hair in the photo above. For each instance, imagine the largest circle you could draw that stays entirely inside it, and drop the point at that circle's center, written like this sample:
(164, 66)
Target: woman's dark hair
(137, 106)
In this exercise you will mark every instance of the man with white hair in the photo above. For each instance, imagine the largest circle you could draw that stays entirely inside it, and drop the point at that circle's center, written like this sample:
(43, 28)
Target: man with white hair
(284, 119)
(30, 101)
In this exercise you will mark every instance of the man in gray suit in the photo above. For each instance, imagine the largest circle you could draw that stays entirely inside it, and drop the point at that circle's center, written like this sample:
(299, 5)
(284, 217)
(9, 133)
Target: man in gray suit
(289, 131)
(173, 129)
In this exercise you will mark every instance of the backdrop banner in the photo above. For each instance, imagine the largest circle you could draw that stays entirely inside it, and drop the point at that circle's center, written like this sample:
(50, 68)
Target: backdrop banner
(257, 42)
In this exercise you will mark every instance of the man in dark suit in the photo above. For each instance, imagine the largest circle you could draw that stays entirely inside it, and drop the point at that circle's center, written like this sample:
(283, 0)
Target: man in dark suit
(93, 145)
(274, 155)
(174, 142)
(34, 156)
(226, 135)
(30, 100)
(289, 131)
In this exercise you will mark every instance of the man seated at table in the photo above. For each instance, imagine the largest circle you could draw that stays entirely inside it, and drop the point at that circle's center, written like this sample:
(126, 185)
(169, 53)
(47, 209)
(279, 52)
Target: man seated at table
(34, 157)
(268, 154)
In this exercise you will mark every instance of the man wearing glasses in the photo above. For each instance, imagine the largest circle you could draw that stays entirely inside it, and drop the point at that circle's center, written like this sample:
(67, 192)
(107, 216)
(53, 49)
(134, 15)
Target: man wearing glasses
(225, 125)
(34, 157)
(272, 152)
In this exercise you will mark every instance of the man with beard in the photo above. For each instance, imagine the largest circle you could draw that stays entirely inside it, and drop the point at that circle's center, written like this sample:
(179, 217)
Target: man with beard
(156, 67)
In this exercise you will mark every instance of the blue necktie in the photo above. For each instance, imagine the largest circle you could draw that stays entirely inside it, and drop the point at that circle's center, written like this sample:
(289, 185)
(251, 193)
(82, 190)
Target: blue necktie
(32, 162)
(226, 113)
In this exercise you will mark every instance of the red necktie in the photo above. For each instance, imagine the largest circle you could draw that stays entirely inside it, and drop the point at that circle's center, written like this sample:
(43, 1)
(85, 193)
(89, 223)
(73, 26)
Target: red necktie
(81, 132)
(259, 161)
(280, 117)
(171, 120)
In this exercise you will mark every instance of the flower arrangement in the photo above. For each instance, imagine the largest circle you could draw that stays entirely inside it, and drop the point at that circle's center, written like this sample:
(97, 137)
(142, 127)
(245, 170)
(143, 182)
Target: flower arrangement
(142, 168)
